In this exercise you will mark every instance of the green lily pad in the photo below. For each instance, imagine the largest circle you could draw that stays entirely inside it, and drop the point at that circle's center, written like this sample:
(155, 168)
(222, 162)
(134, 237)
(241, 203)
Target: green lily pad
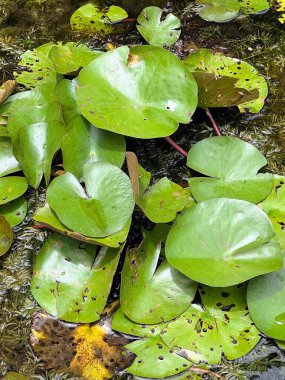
(222, 325)
(45, 217)
(91, 19)
(155, 360)
(6, 235)
(254, 6)
(232, 238)
(224, 81)
(103, 209)
(265, 298)
(274, 206)
(219, 10)
(158, 32)
(12, 188)
(83, 143)
(149, 295)
(15, 211)
(235, 177)
(8, 162)
(71, 281)
(119, 92)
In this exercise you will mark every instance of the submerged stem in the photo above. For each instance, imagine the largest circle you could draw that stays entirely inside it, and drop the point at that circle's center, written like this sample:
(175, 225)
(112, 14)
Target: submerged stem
(176, 146)
(202, 371)
(212, 120)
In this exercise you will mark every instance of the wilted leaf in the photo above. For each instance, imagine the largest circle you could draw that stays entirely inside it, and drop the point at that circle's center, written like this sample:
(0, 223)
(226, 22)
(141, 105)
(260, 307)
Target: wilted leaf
(12, 188)
(231, 238)
(6, 235)
(15, 211)
(8, 162)
(6, 90)
(219, 10)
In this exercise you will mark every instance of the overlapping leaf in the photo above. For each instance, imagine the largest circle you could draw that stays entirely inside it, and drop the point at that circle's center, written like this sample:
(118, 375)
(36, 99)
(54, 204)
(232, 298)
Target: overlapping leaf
(15, 211)
(8, 162)
(12, 188)
(6, 235)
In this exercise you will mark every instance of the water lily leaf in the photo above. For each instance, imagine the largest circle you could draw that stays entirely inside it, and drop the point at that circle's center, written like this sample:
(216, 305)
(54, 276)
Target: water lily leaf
(158, 32)
(83, 143)
(15, 211)
(4, 132)
(8, 162)
(124, 325)
(91, 19)
(45, 217)
(12, 188)
(219, 10)
(120, 92)
(6, 235)
(222, 325)
(274, 206)
(265, 297)
(230, 237)
(155, 360)
(70, 281)
(152, 296)
(90, 352)
(103, 209)
(214, 73)
(254, 6)
(235, 177)
(6, 90)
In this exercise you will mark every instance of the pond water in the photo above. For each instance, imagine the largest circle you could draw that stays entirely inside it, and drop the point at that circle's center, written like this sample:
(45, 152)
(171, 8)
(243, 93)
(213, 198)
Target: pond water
(260, 40)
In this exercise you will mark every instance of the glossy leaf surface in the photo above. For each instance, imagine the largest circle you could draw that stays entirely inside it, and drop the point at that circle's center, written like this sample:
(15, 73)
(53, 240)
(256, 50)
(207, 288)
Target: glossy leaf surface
(8, 162)
(12, 188)
(15, 211)
(6, 235)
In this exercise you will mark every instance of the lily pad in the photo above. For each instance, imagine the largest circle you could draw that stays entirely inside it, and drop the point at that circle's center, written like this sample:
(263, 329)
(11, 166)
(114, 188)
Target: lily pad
(254, 6)
(8, 162)
(219, 10)
(149, 295)
(265, 297)
(71, 281)
(102, 210)
(143, 92)
(235, 177)
(6, 235)
(217, 74)
(155, 360)
(158, 32)
(45, 217)
(12, 188)
(229, 237)
(15, 211)
(222, 326)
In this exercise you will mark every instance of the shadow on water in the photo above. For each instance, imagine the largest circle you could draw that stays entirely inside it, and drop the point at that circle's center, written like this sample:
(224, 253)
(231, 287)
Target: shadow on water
(25, 24)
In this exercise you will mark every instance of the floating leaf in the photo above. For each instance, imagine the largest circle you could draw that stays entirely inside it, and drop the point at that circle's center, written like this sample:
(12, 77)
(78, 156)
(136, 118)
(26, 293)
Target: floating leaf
(6, 90)
(219, 10)
(12, 188)
(149, 296)
(224, 81)
(265, 297)
(6, 235)
(155, 360)
(91, 19)
(70, 281)
(231, 238)
(8, 162)
(15, 211)
(158, 32)
(47, 218)
(102, 210)
(143, 92)
(222, 325)
(235, 177)
(254, 6)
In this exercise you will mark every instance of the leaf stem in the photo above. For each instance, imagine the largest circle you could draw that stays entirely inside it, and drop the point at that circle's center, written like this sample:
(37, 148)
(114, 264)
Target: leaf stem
(200, 370)
(176, 146)
(212, 120)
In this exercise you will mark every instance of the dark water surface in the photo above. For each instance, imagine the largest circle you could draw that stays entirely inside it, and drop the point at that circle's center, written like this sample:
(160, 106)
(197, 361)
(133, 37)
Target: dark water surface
(26, 24)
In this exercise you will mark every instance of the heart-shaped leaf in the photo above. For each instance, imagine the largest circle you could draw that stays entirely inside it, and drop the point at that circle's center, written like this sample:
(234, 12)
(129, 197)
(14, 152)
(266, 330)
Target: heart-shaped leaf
(12, 188)
(265, 297)
(70, 281)
(219, 10)
(152, 296)
(8, 162)
(45, 217)
(158, 32)
(231, 238)
(119, 92)
(102, 210)
(235, 177)
(6, 235)
(224, 81)
(15, 211)
(222, 325)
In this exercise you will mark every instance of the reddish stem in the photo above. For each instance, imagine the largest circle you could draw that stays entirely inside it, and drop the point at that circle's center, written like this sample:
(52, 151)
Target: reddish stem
(129, 20)
(212, 120)
(200, 370)
(176, 146)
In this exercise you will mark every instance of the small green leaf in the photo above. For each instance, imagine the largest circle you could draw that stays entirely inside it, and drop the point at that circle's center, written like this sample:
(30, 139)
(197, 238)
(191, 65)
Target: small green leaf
(70, 281)
(235, 177)
(231, 238)
(8, 162)
(6, 235)
(12, 188)
(219, 10)
(254, 6)
(158, 32)
(15, 211)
